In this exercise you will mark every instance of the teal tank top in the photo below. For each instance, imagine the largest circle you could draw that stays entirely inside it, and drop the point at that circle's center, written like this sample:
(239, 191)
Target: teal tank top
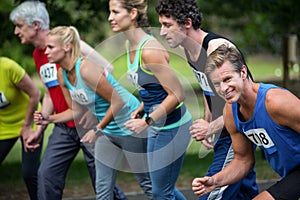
(87, 97)
(151, 91)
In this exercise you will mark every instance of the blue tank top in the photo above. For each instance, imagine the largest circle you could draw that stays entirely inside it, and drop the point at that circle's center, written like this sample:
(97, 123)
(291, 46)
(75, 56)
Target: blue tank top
(87, 97)
(281, 145)
(150, 90)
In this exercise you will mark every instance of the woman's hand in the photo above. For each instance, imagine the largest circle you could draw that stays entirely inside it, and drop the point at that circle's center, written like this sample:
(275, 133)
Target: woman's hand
(136, 125)
(136, 114)
(89, 137)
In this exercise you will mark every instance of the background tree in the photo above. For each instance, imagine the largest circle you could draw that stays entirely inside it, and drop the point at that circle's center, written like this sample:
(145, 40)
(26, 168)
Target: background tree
(255, 25)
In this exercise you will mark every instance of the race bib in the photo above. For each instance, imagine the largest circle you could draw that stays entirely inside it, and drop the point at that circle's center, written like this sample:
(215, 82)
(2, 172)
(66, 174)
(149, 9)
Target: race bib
(80, 96)
(48, 74)
(3, 102)
(260, 137)
(133, 78)
(203, 82)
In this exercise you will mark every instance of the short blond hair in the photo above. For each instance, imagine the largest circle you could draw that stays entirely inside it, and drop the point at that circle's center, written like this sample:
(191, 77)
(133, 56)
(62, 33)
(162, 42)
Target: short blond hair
(222, 54)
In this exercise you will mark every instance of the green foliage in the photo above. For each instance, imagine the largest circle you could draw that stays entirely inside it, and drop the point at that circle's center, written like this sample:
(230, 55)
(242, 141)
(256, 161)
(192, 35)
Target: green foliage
(254, 25)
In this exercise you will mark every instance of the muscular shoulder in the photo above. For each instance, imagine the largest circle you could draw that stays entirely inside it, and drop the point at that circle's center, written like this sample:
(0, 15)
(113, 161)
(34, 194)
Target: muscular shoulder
(281, 104)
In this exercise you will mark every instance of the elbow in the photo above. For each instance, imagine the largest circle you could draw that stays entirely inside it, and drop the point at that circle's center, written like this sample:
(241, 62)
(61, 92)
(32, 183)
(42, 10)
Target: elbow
(250, 163)
(121, 104)
(109, 68)
(180, 97)
(38, 94)
(117, 105)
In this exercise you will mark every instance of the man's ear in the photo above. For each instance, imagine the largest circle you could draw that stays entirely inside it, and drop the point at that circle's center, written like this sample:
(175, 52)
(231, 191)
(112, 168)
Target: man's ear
(188, 23)
(244, 72)
(36, 25)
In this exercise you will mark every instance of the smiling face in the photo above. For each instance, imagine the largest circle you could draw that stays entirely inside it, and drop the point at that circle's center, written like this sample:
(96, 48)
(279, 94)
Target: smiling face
(171, 31)
(228, 82)
(119, 18)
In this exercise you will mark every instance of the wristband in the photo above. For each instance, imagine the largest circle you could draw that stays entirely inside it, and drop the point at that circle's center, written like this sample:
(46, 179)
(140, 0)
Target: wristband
(98, 131)
(149, 121)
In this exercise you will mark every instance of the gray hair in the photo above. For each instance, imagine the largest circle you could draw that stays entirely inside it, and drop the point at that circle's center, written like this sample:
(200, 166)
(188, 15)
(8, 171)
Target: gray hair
(31, 11)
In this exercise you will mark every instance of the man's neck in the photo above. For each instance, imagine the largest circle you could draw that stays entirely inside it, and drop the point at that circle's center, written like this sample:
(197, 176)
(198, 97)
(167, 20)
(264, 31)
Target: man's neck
(40, 40)
(193, 43)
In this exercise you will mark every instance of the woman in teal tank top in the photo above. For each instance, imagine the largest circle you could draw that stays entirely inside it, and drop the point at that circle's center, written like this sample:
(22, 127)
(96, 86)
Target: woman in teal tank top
(167, 120)
(86, 85)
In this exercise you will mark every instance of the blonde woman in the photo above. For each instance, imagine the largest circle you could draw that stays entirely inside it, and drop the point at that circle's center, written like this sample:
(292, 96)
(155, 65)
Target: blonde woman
(85, 84)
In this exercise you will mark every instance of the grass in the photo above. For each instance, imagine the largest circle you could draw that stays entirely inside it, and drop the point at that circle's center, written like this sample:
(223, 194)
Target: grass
(78, 182)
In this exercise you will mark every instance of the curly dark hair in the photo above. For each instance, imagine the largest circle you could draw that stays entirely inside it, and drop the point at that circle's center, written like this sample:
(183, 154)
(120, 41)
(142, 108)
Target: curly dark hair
(180, 10)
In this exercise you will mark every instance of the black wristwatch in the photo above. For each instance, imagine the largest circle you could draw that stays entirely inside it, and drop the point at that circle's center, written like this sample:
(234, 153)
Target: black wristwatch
(98, 131)
(149, 120)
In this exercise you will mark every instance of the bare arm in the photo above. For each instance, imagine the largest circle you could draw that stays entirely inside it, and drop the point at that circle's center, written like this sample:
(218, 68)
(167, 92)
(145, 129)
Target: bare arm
(207, 113)
(284, 108)
(47, 104)
(203, 129)
(28, 86)
(98, 82)
(34, 140)
(92, 55)
(244, 159)
(156, 60)
(238, 168)
(70, 114)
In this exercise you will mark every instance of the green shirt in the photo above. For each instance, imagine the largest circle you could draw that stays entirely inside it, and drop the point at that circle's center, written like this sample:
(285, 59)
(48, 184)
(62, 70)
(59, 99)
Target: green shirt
(13, 101)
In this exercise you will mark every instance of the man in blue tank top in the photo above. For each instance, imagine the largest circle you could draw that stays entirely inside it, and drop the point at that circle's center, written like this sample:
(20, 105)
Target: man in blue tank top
(180, 26)
(255, 114)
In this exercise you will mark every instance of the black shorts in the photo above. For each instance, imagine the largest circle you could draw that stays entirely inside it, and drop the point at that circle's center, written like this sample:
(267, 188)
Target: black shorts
(287, 188)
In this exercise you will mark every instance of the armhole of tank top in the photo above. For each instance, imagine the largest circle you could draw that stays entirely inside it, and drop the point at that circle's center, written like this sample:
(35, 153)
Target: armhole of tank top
(77, 68)
(66, 80)
(140, 63)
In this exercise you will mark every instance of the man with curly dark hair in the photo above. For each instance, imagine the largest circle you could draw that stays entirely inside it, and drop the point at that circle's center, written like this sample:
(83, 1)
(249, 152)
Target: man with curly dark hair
(181, 26)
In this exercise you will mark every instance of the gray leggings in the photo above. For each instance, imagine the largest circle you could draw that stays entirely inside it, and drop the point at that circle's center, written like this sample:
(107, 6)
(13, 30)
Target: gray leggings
(126, 153)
